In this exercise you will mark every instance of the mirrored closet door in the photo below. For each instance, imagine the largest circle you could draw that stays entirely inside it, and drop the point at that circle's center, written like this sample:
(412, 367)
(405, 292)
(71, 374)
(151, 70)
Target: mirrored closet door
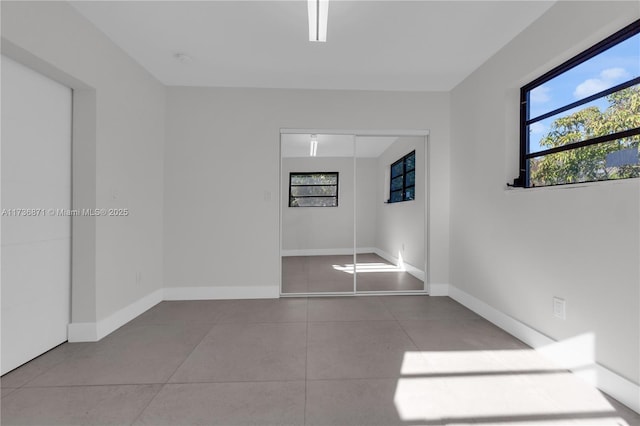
(353, 211)
(390, 213)
(317, 187)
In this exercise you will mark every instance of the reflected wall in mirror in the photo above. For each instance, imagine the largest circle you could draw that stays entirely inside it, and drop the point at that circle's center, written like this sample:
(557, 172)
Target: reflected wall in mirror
(317, 247)
(390, 218)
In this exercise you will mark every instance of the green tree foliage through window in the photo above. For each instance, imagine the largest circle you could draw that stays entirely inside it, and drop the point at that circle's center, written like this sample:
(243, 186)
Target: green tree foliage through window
(580, 122)
(313, 189)
(590, 163)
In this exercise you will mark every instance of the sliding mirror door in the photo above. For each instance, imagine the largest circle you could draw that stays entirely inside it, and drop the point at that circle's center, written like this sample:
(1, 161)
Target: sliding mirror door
(390, 213)
(317, 187)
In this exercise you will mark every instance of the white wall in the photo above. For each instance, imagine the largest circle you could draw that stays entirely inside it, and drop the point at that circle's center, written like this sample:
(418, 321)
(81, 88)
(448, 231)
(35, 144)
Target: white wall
(367, 190)
(516, 249)
(118, 152)
(222, 142)
(400, 226)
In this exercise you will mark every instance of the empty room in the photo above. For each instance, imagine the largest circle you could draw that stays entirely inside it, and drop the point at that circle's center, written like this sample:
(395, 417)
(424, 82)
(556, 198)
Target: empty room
(320, 212)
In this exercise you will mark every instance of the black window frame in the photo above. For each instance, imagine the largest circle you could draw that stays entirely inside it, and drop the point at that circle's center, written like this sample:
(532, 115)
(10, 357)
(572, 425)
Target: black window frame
(337, 174)
(404, 173)
(523, 179)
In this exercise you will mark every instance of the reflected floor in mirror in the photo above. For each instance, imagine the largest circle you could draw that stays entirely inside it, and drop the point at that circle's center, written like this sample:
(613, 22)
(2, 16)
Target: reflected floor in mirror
(314, 274)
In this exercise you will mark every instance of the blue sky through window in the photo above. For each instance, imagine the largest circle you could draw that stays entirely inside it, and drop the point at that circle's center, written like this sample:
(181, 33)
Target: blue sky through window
(616, 65)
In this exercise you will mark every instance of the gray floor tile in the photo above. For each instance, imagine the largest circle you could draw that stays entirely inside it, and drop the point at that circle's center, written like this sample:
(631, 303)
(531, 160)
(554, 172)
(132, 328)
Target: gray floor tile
(182, 312)
(79, 405)
(368, 360)
(377, 274)
(27, 372)
(7, 391)
(362, 349)
(388, 281)
(247, 352)
(347, 309)
(294, 282)
(328, 285)
(264, 403)
(426, 307)
(136, 354)
(459, 335)
(317, 274)
(265, 310)
(527, 399)
(574, 399)
(353, 402)
(630, 416)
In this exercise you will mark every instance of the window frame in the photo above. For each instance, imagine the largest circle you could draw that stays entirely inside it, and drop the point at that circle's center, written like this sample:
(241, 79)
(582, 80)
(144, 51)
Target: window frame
(403, 161)
(337, 196)
(523, 179)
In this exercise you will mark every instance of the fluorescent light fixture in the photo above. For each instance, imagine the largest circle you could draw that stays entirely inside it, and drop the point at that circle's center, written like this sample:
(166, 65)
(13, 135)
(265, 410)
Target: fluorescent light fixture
(318, 13)
(313, 146)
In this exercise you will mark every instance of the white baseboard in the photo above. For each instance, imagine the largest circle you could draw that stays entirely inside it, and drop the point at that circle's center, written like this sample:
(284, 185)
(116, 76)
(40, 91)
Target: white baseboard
(228, 292)
(326, 252)
(416, 272)
(438, 289)
(564, 354)
(94, 331)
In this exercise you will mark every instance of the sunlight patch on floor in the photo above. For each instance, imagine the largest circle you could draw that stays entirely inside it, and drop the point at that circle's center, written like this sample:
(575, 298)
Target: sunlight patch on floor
(506, 387)
(367, 268)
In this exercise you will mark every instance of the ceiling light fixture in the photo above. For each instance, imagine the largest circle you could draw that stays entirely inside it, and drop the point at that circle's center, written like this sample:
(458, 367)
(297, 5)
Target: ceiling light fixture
(313, 146)
(318, 13)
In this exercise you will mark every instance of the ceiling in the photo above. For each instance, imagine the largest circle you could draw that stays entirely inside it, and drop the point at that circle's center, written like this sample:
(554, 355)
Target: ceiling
(371, 45)
(297, 145)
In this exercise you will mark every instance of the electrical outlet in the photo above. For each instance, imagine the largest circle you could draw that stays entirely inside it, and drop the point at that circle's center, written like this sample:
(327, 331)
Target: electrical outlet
(138, 277)
(559, 308)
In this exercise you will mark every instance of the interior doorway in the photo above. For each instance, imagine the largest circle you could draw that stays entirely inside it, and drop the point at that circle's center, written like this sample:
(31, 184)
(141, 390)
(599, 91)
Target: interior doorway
(353, 212)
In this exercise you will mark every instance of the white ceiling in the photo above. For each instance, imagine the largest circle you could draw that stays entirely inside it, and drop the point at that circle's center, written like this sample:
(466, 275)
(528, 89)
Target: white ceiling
(371, 45)
(297, 145)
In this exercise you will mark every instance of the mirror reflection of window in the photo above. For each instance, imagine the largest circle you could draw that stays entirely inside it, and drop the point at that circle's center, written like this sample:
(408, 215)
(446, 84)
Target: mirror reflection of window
(317, 206)
(403, 179)
(313, 189)
(390, 219)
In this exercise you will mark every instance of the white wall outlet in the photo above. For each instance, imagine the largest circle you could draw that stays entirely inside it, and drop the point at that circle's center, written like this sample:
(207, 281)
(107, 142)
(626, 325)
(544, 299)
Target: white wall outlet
(559, 308)
(138, 277)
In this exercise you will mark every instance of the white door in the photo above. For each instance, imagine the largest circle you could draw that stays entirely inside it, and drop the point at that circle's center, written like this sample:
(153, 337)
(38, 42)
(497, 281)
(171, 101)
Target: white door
(36, 243)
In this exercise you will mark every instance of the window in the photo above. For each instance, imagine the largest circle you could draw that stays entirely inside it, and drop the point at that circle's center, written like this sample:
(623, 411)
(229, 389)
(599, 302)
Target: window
(403, 179)
(580, 122)
(313, 189)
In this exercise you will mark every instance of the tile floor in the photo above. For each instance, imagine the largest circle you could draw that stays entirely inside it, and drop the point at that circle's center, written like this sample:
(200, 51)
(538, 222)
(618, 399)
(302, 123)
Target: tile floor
(313, 274)
(393, 360)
